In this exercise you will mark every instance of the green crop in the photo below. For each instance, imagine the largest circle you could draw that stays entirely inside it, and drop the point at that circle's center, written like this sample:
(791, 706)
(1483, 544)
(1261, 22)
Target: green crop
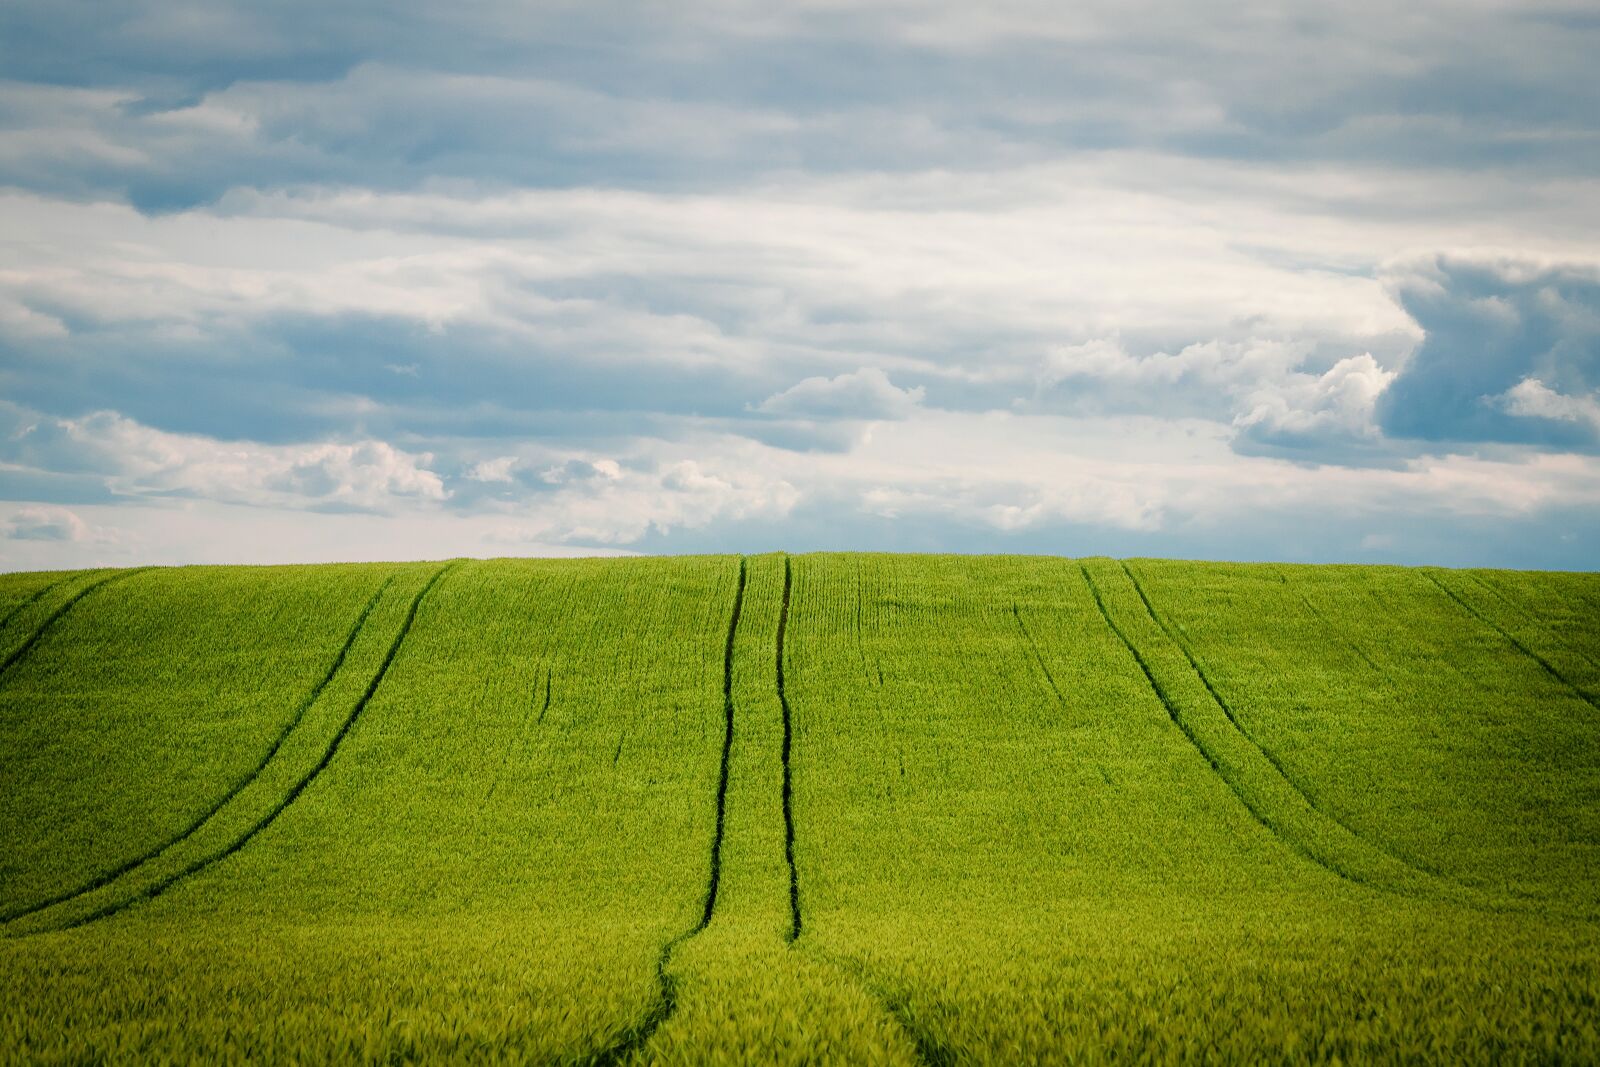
(822, 808)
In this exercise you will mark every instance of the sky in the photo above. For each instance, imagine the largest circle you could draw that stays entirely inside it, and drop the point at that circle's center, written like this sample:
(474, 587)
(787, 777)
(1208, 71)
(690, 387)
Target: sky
(312, 281)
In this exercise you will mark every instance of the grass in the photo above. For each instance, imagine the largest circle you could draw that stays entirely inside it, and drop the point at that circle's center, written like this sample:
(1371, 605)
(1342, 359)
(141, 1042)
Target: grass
(823, 808)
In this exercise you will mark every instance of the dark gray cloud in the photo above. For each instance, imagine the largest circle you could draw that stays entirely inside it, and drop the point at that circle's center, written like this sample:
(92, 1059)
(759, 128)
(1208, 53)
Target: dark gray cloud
(1511, 354)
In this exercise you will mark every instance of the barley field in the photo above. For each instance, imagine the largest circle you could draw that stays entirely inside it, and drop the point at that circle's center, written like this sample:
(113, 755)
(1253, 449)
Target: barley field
(832, 808)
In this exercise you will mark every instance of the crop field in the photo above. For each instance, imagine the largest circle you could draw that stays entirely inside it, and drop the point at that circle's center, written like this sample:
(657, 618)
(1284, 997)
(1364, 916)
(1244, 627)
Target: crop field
(819, 808)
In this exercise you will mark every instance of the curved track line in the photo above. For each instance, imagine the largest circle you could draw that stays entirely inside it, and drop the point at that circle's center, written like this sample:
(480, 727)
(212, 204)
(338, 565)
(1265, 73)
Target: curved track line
(1518, 645)
(1038, 657)
(71, 602)
(38, 595)
(1330, 625)
(788, 773)
(929, 1050)
(1188, 732)
(1270, 756)
(634, 1038)
(107, 877)
(153, 891)
(1526, 613)
(519, 740)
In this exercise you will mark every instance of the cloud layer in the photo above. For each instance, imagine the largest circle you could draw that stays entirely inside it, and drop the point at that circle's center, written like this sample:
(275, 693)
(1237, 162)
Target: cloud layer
(1242, 282)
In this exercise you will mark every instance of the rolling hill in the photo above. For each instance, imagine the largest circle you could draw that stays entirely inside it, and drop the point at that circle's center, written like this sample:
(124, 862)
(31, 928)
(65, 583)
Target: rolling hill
(818, 808)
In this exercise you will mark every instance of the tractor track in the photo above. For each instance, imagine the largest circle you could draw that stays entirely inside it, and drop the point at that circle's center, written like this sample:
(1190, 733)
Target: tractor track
(929, 1052)
(1270, 756)
(635, 1037)
(519, 741)
(1177, 719)
(55, 616)
(39, 594)
(1522, 610)
(788, 771)
(1328, 624)
(1432, 882)
(1548, 667)
(160, 887)
(107, 877)
(1038, 656)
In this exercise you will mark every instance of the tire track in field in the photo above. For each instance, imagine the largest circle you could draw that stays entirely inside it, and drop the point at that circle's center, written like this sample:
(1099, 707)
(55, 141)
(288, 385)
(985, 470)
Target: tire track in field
(928, 1050)
(929, 1053)
(107, 877)
(517, 743)
(39, 594)
(160, 887)
(876, 683)
(1263, 817)
(1509, 601)
(1038, 656)
(1327, 623)
(1537, 620)
(631, 1040)
(1548, 667)
(1270, 756)
(55, 616)
(1409, 878)
(788, 772)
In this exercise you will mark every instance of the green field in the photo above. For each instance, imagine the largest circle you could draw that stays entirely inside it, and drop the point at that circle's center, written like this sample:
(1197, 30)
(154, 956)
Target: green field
(819, 808)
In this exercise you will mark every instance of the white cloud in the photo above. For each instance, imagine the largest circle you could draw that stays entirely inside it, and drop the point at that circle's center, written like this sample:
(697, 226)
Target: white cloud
(46, 523)
(619, 506)
(864, 394)
(1532, 397)
(1337, 404)
(492, 470)
(135, 460)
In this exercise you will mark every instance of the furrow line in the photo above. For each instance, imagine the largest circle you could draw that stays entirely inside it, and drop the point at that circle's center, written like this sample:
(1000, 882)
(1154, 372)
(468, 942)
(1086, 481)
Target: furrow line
(1548, 667)
(1328, 624)
(727, 754)
(630, 1041)
(107, 877)
(1172, 713)
(519, 739)
(1038, 656)
(35, 598)
(55, 616)
(158, 888)
(1270, 756)
(930, 1051)
(788, 771)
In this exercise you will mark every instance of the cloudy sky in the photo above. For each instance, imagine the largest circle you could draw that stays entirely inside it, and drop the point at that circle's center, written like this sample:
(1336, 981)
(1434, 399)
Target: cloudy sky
(376, 280)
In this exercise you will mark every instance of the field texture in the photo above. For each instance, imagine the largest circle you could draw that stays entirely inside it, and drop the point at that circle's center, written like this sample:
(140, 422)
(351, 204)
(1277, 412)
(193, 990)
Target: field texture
(823, 808)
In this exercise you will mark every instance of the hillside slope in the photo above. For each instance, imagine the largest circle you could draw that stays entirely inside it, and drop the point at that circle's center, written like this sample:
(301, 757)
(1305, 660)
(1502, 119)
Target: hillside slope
(826, 807)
